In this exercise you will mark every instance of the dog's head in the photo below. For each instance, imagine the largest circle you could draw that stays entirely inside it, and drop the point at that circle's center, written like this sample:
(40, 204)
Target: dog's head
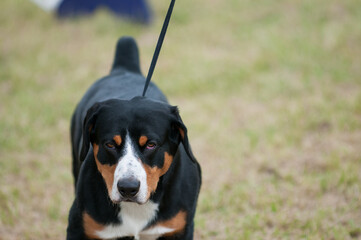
(134, 143)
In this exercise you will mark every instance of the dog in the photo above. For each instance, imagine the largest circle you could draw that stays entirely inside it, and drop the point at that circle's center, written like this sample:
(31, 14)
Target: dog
(134, 171)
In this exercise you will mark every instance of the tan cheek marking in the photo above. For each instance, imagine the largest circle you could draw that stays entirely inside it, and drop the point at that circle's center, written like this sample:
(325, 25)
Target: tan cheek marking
(152, 178)
(177, 223)
(154, 173)
(106, 171)
(91, 226)
(143, 140)
(167, 162)
(117, 139)
(181, 132)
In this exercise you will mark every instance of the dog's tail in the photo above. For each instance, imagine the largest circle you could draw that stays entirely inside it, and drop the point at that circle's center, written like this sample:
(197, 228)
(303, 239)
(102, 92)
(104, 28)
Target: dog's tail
(127, 55)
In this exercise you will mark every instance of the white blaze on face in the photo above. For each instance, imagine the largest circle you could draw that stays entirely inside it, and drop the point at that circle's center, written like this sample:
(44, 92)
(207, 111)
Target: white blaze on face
(130, 166)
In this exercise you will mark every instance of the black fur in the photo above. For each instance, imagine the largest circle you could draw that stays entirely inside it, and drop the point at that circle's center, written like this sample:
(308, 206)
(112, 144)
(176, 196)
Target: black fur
(112, 106)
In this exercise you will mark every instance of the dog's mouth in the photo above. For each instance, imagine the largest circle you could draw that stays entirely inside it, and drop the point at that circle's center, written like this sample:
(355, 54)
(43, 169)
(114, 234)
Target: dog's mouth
(132, 200)
(129, 200)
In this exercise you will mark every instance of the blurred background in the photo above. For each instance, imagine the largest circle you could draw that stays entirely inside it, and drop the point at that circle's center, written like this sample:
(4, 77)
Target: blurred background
(269, 90)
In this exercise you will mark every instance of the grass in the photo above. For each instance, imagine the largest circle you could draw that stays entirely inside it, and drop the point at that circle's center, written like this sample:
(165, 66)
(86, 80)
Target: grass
(269, 90)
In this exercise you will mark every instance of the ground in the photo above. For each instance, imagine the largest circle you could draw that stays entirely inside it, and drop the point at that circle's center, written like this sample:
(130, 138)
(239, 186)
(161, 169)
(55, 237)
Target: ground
(269, 90)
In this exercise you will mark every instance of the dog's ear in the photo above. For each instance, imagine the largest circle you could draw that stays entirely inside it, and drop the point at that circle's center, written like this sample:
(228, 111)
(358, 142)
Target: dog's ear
(88, 129)
(179, 132)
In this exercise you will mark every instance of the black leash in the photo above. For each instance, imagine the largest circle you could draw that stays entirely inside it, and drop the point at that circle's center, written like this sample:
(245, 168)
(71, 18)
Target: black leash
(159, 46)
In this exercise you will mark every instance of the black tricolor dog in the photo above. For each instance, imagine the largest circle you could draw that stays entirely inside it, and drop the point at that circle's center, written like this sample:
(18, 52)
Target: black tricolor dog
(135, 174)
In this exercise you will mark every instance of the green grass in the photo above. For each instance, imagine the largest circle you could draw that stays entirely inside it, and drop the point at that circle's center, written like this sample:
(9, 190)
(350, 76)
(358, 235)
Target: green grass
(269, 90)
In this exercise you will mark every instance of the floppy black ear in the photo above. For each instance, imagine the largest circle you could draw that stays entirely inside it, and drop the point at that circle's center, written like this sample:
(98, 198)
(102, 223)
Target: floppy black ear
(88, 128)
(180, 131)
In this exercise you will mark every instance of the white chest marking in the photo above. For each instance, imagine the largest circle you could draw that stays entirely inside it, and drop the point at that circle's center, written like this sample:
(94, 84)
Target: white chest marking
(154, 232)
(133, 217)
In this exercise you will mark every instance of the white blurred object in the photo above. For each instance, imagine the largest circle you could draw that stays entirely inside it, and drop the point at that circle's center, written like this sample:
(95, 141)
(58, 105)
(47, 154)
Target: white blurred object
(47, 5)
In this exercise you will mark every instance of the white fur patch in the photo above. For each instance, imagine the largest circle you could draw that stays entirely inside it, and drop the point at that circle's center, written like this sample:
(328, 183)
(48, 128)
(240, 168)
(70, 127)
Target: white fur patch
(130, 166)
(155, 232)
(134, 218)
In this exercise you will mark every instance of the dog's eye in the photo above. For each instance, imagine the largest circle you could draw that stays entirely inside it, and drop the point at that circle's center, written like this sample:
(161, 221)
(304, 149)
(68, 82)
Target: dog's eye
(151, 145)
(110, 145)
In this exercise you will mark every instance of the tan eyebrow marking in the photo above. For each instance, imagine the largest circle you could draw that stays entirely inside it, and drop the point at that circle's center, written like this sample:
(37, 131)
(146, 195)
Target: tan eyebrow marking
(117, 139)
(143, 140)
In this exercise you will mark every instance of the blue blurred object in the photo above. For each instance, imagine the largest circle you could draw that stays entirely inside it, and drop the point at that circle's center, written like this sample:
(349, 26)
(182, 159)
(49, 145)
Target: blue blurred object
(136, 10)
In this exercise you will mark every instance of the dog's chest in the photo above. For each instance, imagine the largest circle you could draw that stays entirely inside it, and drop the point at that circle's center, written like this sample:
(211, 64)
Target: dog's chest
(134, 218)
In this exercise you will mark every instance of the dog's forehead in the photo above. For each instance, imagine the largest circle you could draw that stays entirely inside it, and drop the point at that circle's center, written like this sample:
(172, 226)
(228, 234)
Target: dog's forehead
(136, 114)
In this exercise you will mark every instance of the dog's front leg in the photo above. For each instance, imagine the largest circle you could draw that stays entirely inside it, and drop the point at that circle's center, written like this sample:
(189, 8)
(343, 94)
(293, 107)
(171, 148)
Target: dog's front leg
(75, 230)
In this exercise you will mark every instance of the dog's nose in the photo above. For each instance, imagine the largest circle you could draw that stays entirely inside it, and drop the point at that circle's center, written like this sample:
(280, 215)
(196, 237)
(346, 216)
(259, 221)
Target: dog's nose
(128, 187)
